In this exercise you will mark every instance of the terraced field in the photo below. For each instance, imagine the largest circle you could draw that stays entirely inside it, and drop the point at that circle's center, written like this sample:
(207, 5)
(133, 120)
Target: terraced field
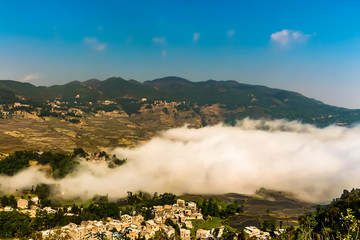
(93, 132)
(281, 207)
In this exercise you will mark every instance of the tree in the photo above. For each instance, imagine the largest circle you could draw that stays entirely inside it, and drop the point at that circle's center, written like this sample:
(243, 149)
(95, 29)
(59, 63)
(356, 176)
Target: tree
(147, 214)
(43, 191)
(16, 162)
(160, 235)
(166, 198)
(229, 234)
(4, 201)
(171, 223)
(75, 209)
(204, 208)
(350, 223)
(307, 224)
(232, 209)
(112, 210)
(14, 224)
(30, 203)
(12, 201)
(79, 152)
(155, 197)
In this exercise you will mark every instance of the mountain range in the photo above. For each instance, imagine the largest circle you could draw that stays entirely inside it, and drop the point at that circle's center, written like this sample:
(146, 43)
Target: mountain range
(234, 100)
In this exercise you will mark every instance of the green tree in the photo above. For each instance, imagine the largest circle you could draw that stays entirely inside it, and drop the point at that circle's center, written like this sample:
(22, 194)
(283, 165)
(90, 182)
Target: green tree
(43, 191)
(4, 201)
(307, 224)
(14, 224)
(79, 152)
(351, 224)
(12, 201)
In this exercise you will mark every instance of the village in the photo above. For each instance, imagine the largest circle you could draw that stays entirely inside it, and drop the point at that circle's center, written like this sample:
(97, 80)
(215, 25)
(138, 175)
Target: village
(126, 226)
(174, 218)
(62, 109)
(134, 227)
(174, 221)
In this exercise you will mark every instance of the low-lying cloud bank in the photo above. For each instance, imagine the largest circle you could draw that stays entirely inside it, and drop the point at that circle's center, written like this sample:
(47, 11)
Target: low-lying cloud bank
(316, 164)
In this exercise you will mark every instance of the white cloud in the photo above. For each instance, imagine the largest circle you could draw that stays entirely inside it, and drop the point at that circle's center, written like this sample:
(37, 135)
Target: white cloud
(231, 33)
(315, 163)
(95, 44)
(31, 77)
(159, 40)
(164, 53)
(287, 37)
(101, 47)
(196, 36)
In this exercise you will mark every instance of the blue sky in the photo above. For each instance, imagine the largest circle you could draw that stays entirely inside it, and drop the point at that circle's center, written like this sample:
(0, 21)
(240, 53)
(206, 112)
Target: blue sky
(312, 47)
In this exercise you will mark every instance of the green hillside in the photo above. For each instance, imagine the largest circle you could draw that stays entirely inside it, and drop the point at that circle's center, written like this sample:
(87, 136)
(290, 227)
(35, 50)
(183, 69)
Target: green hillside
(256, 101)
(237, 99)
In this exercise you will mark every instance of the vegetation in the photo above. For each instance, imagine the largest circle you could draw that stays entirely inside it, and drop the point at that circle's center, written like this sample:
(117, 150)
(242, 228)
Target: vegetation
(7, 96)
(115, 162)
(171, 223)
(213, 207)
(130, 106)
(14, 224)
(80, 152)
(338, 220)
(16, 162)
(106, 108)
(61, 164)
(43, 192)
(210, 223)
(74, 120)
(145, 200)
(253, 101)
(8, 201)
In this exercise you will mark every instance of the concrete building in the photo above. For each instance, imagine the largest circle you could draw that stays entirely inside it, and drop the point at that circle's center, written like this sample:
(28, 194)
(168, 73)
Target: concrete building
(184, 234)
(22, 203)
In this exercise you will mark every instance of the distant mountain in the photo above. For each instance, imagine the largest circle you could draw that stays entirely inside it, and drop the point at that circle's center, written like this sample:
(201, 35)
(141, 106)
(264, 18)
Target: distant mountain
(235, 100)
(255, 101)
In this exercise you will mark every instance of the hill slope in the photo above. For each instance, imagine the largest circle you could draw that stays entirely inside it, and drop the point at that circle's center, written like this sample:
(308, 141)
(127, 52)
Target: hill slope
(224, 100)
(255, 101)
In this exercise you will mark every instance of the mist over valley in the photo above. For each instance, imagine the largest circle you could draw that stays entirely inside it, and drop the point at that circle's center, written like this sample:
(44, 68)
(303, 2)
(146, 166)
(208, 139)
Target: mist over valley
(315, 164)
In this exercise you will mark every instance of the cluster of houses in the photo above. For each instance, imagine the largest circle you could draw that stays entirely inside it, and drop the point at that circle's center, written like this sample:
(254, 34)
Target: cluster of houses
(17, 104)
(107, 102)
(4, 113)
(95, 157)
(76, 112)
(134, 227)
(61, 108)
(23, 206)
(56, 103)
(8, 110)
(160, 103)
(254, 232)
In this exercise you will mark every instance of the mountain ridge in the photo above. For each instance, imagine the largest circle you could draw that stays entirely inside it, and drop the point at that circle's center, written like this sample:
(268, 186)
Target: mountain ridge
(236, 100)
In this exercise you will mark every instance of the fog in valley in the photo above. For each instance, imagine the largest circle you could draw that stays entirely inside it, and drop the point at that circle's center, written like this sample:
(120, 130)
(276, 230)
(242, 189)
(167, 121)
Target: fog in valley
(315, 164)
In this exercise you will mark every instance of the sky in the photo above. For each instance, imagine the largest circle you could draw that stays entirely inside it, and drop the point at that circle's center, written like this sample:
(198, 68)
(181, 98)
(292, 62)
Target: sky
(312, 47)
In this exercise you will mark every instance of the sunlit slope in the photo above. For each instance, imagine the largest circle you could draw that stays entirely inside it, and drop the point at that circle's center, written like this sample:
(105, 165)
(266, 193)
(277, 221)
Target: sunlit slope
(237, 99)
